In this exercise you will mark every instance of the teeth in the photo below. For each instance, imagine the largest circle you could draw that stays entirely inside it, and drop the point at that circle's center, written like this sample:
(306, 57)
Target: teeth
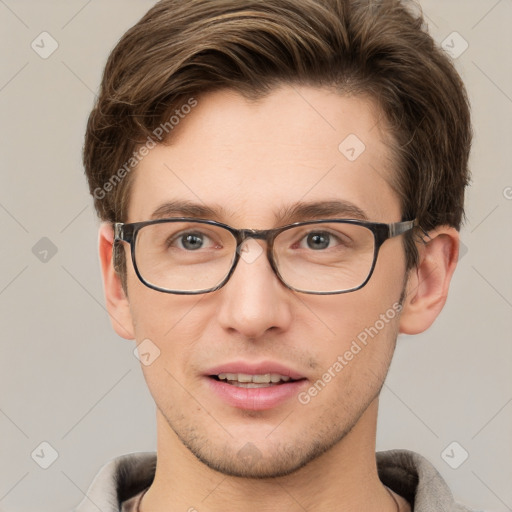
(245, 378)
(261, 378)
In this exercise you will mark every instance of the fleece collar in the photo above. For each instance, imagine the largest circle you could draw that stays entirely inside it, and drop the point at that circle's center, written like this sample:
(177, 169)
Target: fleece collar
(405, 472)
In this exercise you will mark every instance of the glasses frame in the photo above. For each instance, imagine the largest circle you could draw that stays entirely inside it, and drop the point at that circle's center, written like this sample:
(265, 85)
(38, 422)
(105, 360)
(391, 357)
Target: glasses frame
(127, 232)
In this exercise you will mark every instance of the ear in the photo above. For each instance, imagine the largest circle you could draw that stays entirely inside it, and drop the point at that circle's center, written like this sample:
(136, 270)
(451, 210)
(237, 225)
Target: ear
(117, 303)
(428, 283)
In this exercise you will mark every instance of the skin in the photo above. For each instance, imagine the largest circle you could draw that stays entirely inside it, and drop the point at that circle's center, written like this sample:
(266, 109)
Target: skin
(254, 158)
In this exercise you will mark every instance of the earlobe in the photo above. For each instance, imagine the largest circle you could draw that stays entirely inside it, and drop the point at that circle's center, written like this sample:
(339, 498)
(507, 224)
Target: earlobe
(428, 283)
(116, 301)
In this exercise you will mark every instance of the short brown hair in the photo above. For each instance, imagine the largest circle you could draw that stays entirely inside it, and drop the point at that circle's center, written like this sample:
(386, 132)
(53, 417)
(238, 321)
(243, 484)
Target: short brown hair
(378, 48)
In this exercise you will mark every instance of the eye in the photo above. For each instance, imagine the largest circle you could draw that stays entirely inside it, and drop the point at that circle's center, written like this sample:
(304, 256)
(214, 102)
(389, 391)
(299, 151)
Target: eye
(190, 241)
(318, 240)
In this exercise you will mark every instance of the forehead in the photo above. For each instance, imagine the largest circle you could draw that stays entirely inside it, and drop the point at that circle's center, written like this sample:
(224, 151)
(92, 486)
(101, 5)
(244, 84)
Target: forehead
(250, 161)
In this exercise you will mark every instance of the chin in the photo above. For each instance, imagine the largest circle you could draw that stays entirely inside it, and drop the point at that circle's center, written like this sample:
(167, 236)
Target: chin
(262, 459)
(250, 463)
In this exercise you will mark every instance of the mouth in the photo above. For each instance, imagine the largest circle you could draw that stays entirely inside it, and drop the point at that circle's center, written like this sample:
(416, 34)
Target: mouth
(245, 380)
(251, 386)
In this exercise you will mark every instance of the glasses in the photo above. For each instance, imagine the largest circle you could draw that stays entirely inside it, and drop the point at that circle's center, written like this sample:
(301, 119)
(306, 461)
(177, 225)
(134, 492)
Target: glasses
(191, 256)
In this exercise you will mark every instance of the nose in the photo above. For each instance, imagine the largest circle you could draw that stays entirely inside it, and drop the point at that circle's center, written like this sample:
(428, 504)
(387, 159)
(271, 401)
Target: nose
(254, 301)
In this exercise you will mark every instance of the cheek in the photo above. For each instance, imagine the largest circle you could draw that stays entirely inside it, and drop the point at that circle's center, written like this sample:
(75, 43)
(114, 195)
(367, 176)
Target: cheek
(354, 362)
(166, 331)
(155, 314)
(171, 323)
(350, 316)
(363, 325)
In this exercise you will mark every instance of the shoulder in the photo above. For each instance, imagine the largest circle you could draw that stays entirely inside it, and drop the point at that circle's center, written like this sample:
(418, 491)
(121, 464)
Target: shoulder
(412, 476)
(119, 480)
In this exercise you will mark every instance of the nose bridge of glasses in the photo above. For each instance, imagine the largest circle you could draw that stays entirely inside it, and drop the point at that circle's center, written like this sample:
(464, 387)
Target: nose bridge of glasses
(256, 234)
(248, 249)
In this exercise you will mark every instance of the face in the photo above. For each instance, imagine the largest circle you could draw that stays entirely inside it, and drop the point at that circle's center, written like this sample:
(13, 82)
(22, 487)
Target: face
(250, 162)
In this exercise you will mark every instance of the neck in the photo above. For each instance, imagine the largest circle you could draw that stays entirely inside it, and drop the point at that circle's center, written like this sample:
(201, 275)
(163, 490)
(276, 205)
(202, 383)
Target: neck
(344, 478)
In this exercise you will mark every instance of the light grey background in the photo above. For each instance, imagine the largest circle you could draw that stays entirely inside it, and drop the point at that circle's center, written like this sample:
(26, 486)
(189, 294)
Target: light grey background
(68, 380)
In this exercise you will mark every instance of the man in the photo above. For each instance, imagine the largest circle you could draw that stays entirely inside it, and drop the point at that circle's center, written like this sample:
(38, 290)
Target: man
(281, 184)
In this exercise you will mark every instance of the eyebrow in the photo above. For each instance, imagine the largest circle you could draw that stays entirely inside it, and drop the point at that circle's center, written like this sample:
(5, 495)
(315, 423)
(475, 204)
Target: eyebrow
(295, 212)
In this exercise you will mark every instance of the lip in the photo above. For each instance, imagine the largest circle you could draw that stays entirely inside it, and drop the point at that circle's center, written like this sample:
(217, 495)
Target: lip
(255, 399)
(260, 368)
